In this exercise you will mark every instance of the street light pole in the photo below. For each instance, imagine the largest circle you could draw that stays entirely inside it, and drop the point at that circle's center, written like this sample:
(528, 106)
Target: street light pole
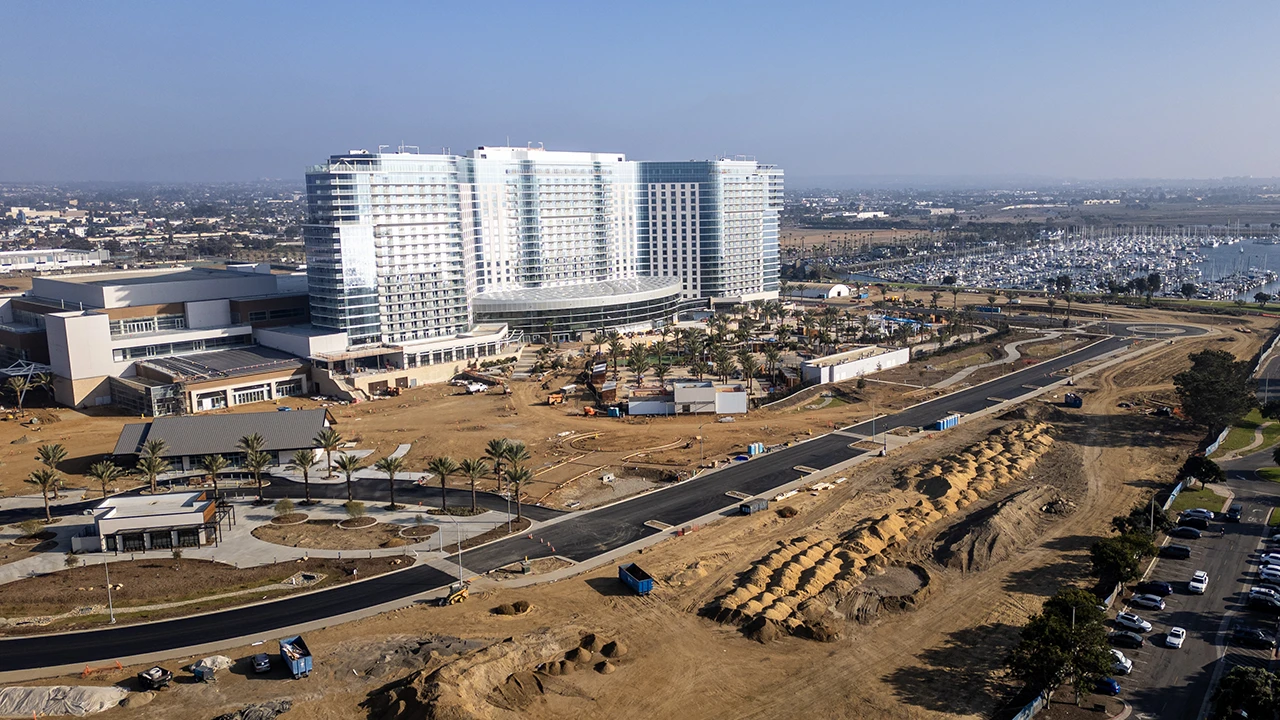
(457, 529)
(106, 562)
(702, 446)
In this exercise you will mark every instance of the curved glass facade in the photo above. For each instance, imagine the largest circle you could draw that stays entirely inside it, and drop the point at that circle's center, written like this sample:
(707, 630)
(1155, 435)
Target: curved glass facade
(569, 312)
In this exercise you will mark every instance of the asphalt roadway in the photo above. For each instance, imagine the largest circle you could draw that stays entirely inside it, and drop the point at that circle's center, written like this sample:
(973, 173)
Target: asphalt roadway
(1173, 684)
(579, 536)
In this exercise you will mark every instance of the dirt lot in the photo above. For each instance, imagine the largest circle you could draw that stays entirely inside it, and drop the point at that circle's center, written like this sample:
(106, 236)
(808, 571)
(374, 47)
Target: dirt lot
(327, 535)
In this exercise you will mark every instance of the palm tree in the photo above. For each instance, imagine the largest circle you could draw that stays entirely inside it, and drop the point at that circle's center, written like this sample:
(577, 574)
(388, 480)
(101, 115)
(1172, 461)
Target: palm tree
(303, 461)
(348, 464)
(212, 465)
(750, 366)
(638, 362)
(46, 479)
(252, 443)
(496, 452)
(155, 447)
(616, 351)
(699, 368)
(18, 385)
(772, 357)
(516, 477)
(151, 467)
(50, 456)
(255, 462)
(661, 370)
(443, 466)
(474, 470)
(328, 440)
(392, 466)
(105, 472)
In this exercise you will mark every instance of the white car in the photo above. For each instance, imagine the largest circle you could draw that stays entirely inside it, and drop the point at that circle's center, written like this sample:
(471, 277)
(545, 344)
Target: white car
(1270, 573)
(1265, 592)
(1269, 559)
(1199, 582)
(1174, 637)
(1131, 621)
(1122, 665)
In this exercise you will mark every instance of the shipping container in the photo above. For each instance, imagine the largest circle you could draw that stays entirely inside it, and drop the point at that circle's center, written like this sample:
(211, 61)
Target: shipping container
(754, 505)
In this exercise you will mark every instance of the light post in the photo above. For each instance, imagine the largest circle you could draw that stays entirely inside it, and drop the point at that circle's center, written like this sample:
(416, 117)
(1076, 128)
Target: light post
(457, 533)
(702, 445)
(111, 610)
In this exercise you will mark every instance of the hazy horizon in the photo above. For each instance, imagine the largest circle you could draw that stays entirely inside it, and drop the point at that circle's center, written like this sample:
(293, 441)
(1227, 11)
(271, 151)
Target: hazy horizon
(158, 92)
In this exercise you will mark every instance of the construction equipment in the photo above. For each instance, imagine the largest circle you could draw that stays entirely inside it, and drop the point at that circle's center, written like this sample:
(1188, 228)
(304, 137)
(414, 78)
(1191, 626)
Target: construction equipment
(458, 592)
(555, 399)
(155, 678)
(590, 411)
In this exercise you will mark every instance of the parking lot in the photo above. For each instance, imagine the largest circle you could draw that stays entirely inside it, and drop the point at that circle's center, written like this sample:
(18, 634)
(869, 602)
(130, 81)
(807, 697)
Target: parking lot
(1174, 683)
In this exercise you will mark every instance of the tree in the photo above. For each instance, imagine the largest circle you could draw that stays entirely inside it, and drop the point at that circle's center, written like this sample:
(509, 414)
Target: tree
(252, 443)
(496, 453)
(1262, 299)
(616, 351)
(1199, 467)
(348, 464)
(1144, 518)
(256, 462)
(151, 467)
(443, 466)
(18, 385)
(516, 477)
(106, 473)
(283, 506)
(1154, 283)
(154, 447)
(750, 367)
(1119, 558)
(328, 440)
(51, 456)
(1250, 689)
(46, 479)
(302, 461)
(1065, 641)
(212, 465)
(638, 362)
(474, 469)
(1216, 391)
(391, 466)
(1188, 290)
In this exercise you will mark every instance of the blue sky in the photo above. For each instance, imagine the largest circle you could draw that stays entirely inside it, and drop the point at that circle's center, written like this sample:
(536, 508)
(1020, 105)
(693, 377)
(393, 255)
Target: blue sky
(244, 90)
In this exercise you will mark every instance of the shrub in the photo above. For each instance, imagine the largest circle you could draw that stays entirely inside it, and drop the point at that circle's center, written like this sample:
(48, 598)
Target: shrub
(71, 561)
(31, 527)
(177, 553)
(283, 507)
(787, 511)
(505, 609)
(355, 509)
(520, 606)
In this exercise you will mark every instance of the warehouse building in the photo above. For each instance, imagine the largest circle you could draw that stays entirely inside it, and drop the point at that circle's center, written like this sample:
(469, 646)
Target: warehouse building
(187, 439)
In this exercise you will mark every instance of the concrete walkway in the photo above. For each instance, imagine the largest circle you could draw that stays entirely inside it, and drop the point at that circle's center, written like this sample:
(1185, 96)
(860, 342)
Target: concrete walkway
(1253, 446)
(1012, 356)
(240, 548)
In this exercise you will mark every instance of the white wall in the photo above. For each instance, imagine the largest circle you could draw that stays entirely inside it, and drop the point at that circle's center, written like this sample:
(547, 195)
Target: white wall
(301, 344)
(822, 374)
(89, 354)
(731, 403)
(208, 314)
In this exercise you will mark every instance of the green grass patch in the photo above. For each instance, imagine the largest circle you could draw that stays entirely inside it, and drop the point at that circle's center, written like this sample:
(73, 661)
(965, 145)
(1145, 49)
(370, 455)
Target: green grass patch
(1271, 474)
(1200, 497)
(1241, 434)
(1274, 519)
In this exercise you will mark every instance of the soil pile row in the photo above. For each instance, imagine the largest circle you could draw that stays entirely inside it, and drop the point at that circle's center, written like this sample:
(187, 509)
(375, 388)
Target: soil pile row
(799, 586)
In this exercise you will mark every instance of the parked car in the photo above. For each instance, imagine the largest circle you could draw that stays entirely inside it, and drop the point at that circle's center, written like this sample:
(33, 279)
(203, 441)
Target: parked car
(1234, 512)
(262, 663)
(1182, 531)
(1265, 603)
(1252, 637)
(1175, 551)
(1107, 686)
(1122, 664)
(1199, 512)
(1265, 591)
(1155, 587)
(1270, 573)
(1131, 621)
(1151, 602)
(1273, 587)
(1199, 582)
(1175, 637)
(1269, 558)
(1124, 638)
(1196, 522)
(1273, 541)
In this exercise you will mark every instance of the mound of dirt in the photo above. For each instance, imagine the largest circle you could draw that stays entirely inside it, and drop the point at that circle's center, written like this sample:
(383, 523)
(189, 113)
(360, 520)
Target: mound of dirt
(474, 685)
(262, 711)
(997, 532)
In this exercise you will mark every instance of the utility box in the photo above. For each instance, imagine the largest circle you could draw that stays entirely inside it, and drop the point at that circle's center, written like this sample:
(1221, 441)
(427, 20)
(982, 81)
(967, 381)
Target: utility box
(754, 506)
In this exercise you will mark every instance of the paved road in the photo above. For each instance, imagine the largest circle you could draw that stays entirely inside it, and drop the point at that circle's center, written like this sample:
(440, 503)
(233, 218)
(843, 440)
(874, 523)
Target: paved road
(1173, 684)
(578, 537)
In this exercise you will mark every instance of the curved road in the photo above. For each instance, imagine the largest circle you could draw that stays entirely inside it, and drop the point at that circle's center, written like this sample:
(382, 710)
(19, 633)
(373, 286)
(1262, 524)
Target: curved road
(578, 536)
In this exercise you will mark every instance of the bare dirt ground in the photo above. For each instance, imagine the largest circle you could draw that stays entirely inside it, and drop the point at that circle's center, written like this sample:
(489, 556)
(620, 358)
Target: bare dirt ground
(941, 660)
(327, 535)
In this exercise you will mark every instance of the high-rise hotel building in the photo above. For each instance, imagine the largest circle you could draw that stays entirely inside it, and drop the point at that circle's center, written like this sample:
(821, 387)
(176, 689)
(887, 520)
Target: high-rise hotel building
(408, 248)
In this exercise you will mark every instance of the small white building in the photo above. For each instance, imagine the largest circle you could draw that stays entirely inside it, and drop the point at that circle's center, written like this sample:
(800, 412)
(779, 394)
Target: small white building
(691, 397)
(136, 523)
(853, 363)
(825, 292)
